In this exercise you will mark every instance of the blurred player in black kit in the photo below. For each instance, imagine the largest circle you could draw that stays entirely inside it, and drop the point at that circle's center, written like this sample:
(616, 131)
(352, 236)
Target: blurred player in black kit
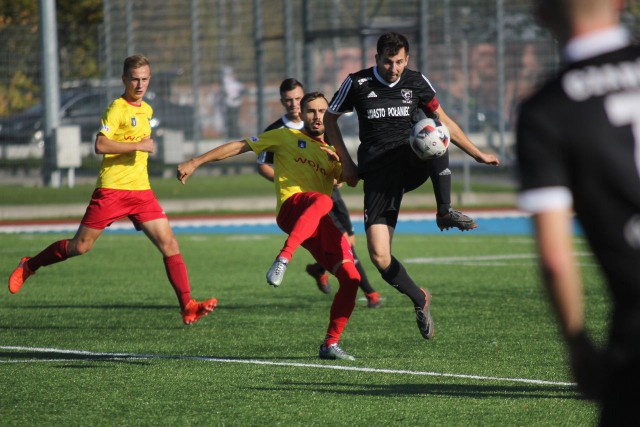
(388, 99)
(291, 93)
(578, 140)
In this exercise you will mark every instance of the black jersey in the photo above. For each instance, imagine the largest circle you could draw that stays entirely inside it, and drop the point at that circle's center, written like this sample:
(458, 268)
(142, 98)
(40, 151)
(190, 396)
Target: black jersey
(266, 157)
(276, 125)
(386, 112)
(576, 144)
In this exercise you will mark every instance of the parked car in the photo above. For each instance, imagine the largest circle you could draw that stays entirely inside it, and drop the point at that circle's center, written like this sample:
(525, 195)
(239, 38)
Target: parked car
(84, 107)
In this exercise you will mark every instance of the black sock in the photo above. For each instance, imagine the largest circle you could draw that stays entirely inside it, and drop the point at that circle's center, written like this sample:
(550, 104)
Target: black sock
(443, 209)
(398, 277)
(364, 280)
(441, 180)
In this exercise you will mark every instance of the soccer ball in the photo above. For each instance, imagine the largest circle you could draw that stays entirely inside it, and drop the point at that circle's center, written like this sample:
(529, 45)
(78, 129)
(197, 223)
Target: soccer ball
(429, 139)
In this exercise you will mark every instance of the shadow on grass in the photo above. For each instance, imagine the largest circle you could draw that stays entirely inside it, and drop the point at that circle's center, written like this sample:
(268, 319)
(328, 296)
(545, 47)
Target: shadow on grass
(295, 305)
(438, 389)
(34, 357)
(98, 306)
(27, 356)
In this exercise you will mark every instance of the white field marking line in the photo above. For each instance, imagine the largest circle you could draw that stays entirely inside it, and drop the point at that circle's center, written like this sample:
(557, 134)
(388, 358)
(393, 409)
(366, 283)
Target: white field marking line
(130, 356)
(478, 258)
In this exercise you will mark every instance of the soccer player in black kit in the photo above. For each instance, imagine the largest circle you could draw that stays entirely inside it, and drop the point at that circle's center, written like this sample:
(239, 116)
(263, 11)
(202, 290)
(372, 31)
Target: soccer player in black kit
(578, 140)
(387, 99)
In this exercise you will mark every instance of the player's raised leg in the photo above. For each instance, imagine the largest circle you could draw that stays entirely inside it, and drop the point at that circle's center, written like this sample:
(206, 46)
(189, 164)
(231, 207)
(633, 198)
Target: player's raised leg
(58, 251)
(446, 217)
(299, 217)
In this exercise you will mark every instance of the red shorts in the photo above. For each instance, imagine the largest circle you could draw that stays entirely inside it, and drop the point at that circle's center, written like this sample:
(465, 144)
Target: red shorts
(328, 245)
(108, 205)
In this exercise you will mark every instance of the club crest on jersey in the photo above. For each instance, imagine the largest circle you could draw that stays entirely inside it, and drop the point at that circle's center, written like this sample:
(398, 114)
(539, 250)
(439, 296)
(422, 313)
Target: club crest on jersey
(253, 139)
(133, 121)
(406, 95)
(302, 143)
(364, 80)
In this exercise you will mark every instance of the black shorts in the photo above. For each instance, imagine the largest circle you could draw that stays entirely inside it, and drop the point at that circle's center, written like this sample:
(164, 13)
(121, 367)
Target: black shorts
(384, 187)
(339, 214)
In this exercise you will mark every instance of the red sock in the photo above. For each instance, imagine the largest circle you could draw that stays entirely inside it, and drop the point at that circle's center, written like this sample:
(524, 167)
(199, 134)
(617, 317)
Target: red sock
(343, 302)
(300, 218)
(177, 274)
(55, 252)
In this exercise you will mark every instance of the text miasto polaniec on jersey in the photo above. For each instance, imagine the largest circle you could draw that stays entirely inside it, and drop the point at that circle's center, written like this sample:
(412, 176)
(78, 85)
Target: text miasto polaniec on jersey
(386, 111)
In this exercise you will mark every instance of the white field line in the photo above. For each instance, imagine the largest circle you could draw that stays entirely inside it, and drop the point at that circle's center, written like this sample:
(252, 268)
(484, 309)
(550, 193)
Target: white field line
(488, 260)
(91, 356)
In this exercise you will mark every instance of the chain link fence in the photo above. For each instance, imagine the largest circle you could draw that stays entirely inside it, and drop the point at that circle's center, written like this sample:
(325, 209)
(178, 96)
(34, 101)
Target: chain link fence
(217, 64)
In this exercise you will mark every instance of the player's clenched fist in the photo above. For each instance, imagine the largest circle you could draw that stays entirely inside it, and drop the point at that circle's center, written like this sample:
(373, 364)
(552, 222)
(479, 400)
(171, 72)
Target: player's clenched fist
(185, 170)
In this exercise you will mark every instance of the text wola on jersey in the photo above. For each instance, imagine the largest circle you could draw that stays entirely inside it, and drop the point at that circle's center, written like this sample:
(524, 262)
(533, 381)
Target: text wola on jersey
(314, 165)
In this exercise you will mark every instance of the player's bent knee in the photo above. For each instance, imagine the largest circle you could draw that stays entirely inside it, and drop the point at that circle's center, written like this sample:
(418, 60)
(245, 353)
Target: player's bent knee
(169, 248)
(324, 203)
(78, 248)
(380, 261)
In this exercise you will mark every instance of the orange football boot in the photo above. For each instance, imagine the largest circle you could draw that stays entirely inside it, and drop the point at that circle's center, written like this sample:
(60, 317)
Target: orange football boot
(195, 310)
(20, 275)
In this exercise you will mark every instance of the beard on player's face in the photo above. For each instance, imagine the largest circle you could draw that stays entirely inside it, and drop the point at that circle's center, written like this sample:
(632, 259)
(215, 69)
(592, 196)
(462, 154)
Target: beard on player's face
(312, 130)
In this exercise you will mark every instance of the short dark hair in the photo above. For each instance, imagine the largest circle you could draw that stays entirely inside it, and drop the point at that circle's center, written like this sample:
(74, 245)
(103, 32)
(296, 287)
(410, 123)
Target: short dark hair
(311, 96)
(133, 62)
(390, 43)
(289, 85)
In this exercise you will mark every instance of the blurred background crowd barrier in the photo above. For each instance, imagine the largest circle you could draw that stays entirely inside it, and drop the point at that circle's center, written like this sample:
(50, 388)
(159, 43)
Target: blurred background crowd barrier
(217, 65)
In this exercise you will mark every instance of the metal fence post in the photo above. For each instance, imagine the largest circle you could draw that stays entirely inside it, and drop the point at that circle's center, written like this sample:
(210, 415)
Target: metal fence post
(51, 84)
(195, 72)
(260, 78)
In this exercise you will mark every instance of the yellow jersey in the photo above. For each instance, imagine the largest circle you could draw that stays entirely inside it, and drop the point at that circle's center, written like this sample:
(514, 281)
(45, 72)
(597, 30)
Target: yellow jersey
(128, 123)
(300, 165)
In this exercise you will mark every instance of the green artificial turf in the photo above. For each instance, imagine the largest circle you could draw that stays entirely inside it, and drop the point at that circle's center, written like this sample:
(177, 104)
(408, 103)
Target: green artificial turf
(129, 360)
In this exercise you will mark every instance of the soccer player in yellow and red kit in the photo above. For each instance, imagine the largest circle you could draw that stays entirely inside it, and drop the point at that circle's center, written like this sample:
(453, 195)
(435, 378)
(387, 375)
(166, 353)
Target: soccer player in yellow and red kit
(123, 190)
(305, 168)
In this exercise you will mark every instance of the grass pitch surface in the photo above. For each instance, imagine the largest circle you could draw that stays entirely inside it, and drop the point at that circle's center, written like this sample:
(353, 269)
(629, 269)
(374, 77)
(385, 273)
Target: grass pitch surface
(98, 340)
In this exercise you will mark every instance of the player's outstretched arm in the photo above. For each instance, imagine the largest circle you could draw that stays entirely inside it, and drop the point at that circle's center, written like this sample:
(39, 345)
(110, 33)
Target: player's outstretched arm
(230, 149)
(334, 136)
(462, 141)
